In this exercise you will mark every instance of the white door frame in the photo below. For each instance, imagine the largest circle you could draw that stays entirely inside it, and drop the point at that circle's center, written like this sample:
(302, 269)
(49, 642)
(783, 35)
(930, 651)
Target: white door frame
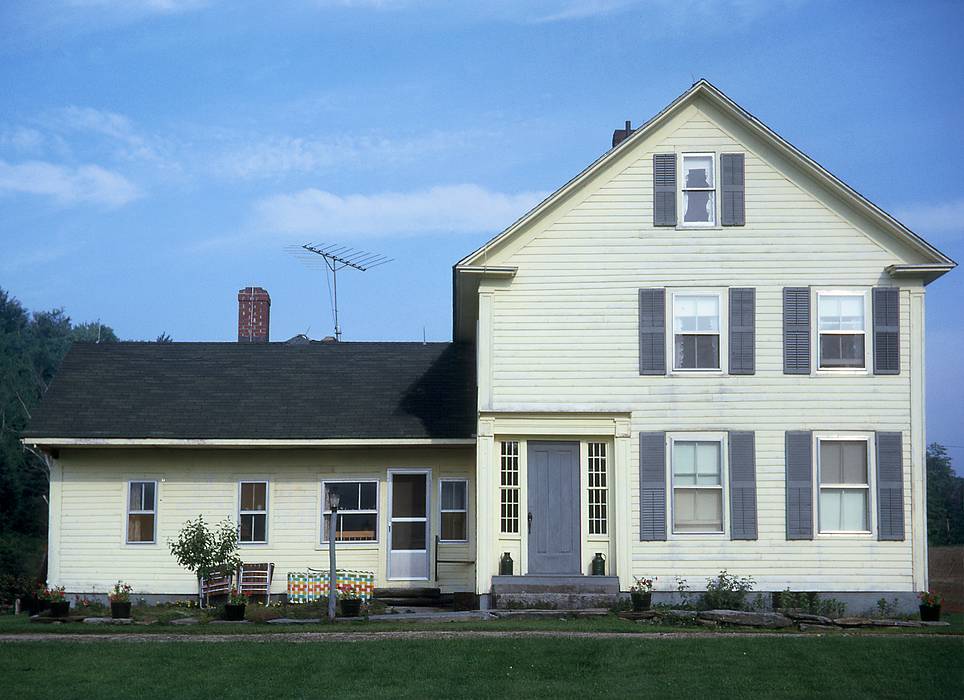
(428, 523)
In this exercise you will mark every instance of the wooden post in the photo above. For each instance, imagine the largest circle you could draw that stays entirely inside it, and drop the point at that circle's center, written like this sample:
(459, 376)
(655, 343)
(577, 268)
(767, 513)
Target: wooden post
(332, 571)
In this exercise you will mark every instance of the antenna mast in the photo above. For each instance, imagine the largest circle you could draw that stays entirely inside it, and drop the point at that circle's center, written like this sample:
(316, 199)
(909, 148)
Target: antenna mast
(337, 257)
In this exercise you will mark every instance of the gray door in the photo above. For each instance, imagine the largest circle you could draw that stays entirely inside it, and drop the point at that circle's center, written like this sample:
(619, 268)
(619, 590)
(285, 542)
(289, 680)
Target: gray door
(553, 485)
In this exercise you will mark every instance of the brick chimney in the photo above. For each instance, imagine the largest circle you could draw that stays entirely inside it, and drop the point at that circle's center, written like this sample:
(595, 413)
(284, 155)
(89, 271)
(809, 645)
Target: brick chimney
(620, 135)
(254, 310)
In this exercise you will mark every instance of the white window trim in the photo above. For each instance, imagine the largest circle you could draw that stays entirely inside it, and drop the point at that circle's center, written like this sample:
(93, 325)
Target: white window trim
(721, 438)
(129, 512)
(681, 197)
(453, 510)
(599, 536)
(324, 511)
(723, 332)
(520, 450)
(267, 496)
(871, 485)
(815, 331)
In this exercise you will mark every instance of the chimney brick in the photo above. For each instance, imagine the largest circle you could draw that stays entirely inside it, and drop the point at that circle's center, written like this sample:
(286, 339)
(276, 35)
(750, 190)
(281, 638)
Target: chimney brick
(254, 311)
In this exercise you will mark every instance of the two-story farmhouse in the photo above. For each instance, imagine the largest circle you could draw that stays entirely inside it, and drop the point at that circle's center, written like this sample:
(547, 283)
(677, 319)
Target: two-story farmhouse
(703, 352)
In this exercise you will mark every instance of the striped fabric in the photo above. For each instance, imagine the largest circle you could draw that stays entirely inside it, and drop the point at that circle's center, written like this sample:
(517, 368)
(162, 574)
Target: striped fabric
(312, 585)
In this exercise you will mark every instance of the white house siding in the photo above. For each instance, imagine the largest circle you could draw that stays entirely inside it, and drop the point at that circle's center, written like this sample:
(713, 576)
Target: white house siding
(564, 337)
(88, 552)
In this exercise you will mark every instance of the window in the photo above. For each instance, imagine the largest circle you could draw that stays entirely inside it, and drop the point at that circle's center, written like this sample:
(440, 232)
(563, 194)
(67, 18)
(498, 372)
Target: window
(598, 503)
(697, 486)
(844, 486)
(455, 510)
(841, 326)
(696, 331)
(510, 487)
(253, 512)
(141, 512)
(357, 511)
(699, 190)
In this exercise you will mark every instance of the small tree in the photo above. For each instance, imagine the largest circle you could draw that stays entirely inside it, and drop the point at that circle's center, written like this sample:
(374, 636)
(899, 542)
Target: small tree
(206, 551)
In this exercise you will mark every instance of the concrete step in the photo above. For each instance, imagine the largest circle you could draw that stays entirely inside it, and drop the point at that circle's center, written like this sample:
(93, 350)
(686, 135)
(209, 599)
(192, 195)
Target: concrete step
(553, 601)
(411, 602)
(407, 593)
(570, 585)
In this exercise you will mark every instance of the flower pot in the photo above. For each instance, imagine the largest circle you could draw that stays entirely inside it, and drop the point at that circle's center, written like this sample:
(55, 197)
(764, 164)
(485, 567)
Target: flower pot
(641, 601)
(351, 608)
(234, 612)
(930, 613)
(120, 609)
(59, 608)
(32, 605)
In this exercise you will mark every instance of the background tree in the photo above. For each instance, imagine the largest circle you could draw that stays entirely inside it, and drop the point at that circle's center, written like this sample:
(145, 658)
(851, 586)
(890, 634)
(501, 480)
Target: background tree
(32, 347)
(945, 499)
(164, 338)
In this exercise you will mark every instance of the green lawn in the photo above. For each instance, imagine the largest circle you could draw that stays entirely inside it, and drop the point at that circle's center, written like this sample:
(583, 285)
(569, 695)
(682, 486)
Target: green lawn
(791, 667)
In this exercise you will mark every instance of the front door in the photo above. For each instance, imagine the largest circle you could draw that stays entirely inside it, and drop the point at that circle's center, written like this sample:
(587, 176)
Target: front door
(553, 485)
(408, 525)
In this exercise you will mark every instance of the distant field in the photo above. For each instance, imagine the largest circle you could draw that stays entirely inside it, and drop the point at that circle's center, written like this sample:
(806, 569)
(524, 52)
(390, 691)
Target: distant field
(946, 568)
(746, 667)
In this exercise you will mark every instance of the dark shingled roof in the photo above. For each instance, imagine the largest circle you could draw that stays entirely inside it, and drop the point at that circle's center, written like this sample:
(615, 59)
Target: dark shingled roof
(261, 391)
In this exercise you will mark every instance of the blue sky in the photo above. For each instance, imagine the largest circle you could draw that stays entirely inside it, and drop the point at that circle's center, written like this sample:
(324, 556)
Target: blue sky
(157, 155)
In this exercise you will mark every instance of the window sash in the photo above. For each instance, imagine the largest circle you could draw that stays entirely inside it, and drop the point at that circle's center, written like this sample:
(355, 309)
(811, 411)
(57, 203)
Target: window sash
(254, 515)
(138, 513)
(509, 500)
(863, 487)
(680, 334)
(326, 512)
(835, 322)
(695, 472)
(711, 189)
(598, 500)
(464, 484)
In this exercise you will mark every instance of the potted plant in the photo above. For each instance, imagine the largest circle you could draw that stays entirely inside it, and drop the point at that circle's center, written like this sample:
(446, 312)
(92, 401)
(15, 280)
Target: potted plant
(350, 603)
(234, 608)
(642, 593)
(930, 606)
(36, 601)
(120, 600)
(59, 605)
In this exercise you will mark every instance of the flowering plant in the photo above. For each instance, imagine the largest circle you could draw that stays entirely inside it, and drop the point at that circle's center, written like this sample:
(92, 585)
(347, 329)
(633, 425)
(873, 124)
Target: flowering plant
(643, 585)
(53, 594)
(931, 600)
(348, 594)
(121, 593)
(236, 598)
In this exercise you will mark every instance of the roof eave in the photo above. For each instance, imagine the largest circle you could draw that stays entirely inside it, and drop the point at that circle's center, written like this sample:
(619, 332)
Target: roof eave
(926, 272)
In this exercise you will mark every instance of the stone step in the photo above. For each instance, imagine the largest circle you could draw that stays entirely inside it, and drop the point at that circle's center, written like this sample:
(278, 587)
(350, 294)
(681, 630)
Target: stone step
(554, 601)
(573, 585)
(411, 602)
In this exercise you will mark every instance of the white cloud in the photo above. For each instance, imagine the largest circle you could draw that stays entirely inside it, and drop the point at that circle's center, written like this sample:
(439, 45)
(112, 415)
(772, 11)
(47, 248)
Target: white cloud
(943, 217)
(279, 155)
(118, 129)
(443, 209)
(141, 6)
(66, 184)
(21, 139)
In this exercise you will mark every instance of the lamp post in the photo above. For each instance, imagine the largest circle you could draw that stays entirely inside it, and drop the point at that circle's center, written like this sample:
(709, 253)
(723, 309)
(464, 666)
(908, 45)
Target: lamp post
(333, 501)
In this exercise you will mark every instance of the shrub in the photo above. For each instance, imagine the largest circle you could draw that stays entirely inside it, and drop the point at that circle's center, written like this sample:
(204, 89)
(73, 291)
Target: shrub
(809, 602)
(726, 592)
(204, 551)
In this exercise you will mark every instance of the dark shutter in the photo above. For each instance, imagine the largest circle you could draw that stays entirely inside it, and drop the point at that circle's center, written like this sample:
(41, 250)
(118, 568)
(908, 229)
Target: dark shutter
(664, 189)
(652, 331)
(731, 189)
(742, 330)
(796, 330)
(652, 486)
(886, 330)
(890, 486)
(799, 468)
(742, 486)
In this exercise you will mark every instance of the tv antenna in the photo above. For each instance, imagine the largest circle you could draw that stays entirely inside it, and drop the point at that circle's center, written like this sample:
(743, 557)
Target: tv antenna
(337, 257)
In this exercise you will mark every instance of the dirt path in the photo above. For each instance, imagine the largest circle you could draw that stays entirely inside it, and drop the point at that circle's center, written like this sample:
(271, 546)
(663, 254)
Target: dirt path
(309, 637)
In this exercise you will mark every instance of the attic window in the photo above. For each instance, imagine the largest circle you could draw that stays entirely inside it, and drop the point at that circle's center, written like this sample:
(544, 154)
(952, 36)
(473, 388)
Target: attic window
(699, 189)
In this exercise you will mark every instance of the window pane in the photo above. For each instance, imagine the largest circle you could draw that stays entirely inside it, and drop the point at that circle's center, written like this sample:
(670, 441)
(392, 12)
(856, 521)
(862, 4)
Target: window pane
(841, 313)
(697, 171)
(831, 462)
(368, 498)
(841, 350)
(408, 535)
(698, 206)
(140, 528)
(453, 495)
(843, 462)
(684, 463)
(843, 510)
(253, 528)
(253, 496)
(453, 526)
(347, 492)
(408, 495)
(698, 510)
(697, 352)
(696, 313)
(708, 463)
(352, 527)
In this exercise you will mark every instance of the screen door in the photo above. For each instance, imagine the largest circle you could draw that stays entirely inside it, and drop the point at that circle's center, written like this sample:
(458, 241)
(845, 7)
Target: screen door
(408, 526)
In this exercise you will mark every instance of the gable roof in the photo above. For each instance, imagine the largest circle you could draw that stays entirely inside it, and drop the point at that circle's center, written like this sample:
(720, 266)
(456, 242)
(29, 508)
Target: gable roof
(270, 391)
(938, 261)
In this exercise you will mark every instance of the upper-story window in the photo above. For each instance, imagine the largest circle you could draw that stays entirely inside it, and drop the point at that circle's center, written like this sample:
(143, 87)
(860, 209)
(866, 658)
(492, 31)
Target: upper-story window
(841, 325)
(696, 331)
(699, 189)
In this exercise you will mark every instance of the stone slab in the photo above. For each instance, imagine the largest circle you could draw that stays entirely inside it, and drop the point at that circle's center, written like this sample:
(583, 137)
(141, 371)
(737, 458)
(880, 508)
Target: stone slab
(294, 621)
(767, 620)
(641, 615)
(808, 627)
(108, 620)
(186, 621)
